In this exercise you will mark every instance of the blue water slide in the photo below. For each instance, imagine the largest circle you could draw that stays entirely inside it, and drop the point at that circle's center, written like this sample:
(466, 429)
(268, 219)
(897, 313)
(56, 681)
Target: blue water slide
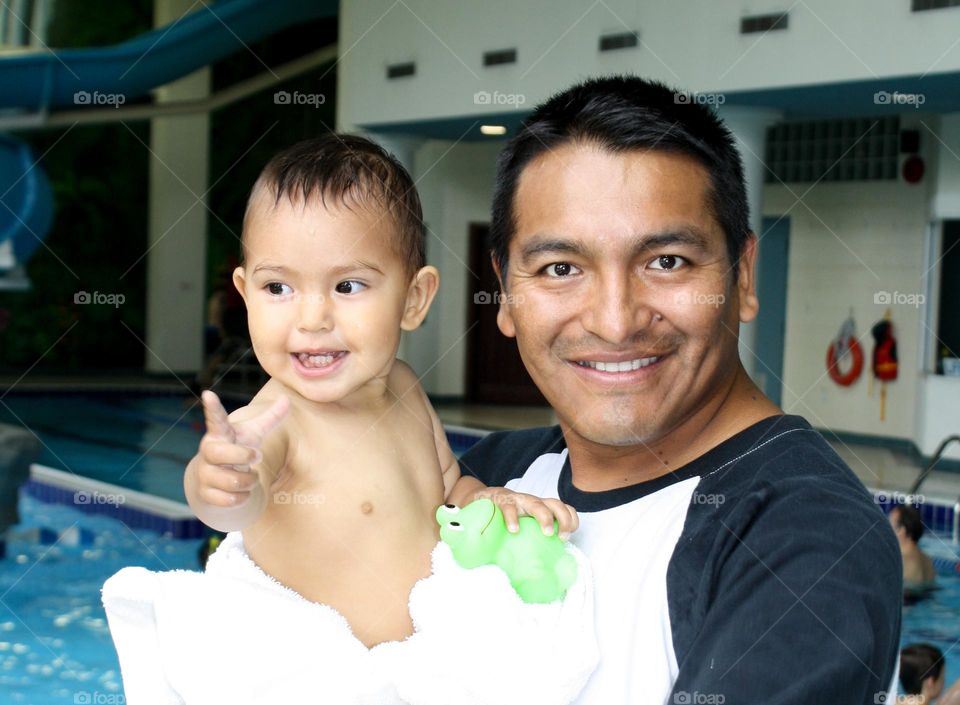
(26, 206)
(74, 78)
(48, 80)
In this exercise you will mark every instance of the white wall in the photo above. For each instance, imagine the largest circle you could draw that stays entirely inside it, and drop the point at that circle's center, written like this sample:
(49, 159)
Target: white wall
(456, 187)
(946, 202)
(849, 241)
(695, 45)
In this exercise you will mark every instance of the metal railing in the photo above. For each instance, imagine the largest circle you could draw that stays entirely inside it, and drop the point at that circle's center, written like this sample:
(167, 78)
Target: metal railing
(933, 461)
(23, 23)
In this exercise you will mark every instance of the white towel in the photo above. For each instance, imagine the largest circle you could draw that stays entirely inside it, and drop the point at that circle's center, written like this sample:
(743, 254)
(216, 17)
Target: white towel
(477, 642)
(235, 635)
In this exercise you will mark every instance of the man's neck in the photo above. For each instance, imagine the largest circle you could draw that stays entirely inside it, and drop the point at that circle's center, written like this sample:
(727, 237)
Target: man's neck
(597, 467)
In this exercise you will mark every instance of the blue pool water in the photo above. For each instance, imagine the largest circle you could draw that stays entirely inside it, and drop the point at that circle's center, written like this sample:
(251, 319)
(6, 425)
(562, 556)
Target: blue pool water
(55, 648)
(936, 620)
(139, 441)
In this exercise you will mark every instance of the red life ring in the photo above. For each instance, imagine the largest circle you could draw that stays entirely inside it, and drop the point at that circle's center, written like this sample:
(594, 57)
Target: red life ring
(845, 380)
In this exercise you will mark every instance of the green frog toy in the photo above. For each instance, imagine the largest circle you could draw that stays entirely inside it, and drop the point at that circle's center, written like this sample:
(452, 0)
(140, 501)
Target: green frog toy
(538, 566)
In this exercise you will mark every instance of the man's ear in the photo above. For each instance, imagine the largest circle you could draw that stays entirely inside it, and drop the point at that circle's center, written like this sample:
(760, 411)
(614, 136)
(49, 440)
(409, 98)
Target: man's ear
(746, 279)
(504, 316)
(240, 282)
(423, 287)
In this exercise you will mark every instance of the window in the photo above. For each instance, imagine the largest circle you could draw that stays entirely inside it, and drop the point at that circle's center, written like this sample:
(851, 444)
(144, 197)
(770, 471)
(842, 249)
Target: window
(948, 311)
(864, 149)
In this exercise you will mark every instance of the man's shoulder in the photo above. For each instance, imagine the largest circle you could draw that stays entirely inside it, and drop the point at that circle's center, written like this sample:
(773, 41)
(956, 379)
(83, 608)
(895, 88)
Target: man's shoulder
(786, 473)
(501, 456)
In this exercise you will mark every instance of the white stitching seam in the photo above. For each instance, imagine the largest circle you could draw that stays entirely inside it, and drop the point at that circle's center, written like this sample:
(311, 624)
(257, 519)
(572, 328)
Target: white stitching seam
(755, 448)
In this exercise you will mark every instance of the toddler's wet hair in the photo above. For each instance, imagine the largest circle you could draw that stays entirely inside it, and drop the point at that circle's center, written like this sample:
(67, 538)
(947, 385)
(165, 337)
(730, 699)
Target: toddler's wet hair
(351, 171)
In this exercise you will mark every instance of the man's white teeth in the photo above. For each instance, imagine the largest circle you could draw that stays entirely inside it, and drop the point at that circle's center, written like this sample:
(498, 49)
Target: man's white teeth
(625, 366)
(308, 360)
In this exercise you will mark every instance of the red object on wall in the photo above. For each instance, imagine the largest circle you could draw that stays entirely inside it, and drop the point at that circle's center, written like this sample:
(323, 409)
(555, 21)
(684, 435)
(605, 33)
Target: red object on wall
(913, 168)
(884, 352)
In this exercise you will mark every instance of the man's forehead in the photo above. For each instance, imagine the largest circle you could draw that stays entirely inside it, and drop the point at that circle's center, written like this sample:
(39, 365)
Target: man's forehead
(587, 193)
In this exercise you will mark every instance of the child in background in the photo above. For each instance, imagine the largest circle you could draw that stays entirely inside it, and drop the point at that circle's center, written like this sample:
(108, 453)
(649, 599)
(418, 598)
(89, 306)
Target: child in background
(922, 676)
(333, 472)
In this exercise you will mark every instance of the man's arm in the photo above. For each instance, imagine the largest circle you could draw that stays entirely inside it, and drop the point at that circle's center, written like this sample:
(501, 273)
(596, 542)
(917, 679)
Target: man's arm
(798, 602)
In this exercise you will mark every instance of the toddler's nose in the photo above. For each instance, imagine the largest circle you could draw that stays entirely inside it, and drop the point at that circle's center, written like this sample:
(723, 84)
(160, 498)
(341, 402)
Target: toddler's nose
(315, 313)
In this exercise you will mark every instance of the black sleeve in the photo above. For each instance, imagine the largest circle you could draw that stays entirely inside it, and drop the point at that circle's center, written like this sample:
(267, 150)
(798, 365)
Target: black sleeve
(504, 455)
(798, 601)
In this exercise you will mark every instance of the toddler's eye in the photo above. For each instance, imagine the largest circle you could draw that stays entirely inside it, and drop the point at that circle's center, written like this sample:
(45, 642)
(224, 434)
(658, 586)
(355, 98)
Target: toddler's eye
(560, 269)
(278, 289)
(349, 287)
(668, 262)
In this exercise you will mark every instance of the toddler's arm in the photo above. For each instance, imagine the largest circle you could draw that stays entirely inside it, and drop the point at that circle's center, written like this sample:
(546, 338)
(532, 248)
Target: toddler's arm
(462, 489)
(223, 481)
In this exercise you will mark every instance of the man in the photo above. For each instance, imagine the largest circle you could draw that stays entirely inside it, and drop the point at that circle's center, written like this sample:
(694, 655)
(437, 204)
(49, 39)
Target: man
(918, 570)
(737, 559)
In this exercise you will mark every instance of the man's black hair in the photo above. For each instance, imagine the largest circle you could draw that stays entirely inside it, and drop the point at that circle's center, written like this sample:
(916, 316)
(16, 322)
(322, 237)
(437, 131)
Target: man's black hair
(909, 518)
(621, 114)
(917, 663)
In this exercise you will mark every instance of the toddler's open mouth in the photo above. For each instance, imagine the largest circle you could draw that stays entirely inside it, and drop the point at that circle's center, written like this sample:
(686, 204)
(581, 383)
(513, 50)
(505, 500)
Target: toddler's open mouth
(318, 359)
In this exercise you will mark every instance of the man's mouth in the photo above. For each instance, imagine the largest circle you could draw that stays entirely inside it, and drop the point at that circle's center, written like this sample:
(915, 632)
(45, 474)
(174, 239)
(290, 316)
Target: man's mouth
(619, 366)
(315, 360)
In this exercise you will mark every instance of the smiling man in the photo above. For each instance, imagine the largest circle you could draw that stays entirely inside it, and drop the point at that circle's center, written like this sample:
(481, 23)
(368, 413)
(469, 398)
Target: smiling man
(737, 559)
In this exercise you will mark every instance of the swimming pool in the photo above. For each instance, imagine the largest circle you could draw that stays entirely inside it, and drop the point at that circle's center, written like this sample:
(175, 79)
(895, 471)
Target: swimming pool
(140, 441)
(55, 647)
(936, 619)
(54, 643)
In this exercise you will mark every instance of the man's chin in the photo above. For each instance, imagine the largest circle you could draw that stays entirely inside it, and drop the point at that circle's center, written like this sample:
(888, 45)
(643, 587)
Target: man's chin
(615, 435)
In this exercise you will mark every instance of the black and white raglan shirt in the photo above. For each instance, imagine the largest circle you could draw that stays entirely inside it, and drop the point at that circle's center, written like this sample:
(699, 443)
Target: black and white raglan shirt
(761, 573)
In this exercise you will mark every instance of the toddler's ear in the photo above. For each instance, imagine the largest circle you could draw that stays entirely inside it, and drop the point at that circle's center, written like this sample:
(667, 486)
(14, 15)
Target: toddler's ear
(423, 287)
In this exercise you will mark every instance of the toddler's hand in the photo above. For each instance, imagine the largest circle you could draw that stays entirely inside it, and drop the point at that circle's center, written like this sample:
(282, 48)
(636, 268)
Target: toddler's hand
(515, 504)
(228, 449)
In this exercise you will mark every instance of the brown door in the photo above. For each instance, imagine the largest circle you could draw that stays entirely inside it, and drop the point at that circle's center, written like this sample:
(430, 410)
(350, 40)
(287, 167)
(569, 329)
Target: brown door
(495, 372)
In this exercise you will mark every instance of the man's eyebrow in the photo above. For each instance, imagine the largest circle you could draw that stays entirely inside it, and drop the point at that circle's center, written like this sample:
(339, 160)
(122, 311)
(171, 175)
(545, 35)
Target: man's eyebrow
(549, 244)
(689, 236)
(552, 244)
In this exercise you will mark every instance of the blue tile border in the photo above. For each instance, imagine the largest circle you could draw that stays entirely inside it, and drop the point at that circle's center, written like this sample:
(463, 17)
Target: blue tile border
(133, 517)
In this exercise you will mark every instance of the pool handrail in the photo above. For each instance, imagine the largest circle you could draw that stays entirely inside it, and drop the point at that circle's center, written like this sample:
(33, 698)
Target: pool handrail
(914, 489)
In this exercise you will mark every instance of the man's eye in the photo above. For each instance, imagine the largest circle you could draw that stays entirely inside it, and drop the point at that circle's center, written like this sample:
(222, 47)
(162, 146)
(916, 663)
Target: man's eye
(560, 269)
(349, 287)
(278, 289)
(668, 262)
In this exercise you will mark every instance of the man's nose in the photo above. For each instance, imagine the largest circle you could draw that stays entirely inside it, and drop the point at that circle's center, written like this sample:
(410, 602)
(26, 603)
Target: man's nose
(315, 313)
(618, 308)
